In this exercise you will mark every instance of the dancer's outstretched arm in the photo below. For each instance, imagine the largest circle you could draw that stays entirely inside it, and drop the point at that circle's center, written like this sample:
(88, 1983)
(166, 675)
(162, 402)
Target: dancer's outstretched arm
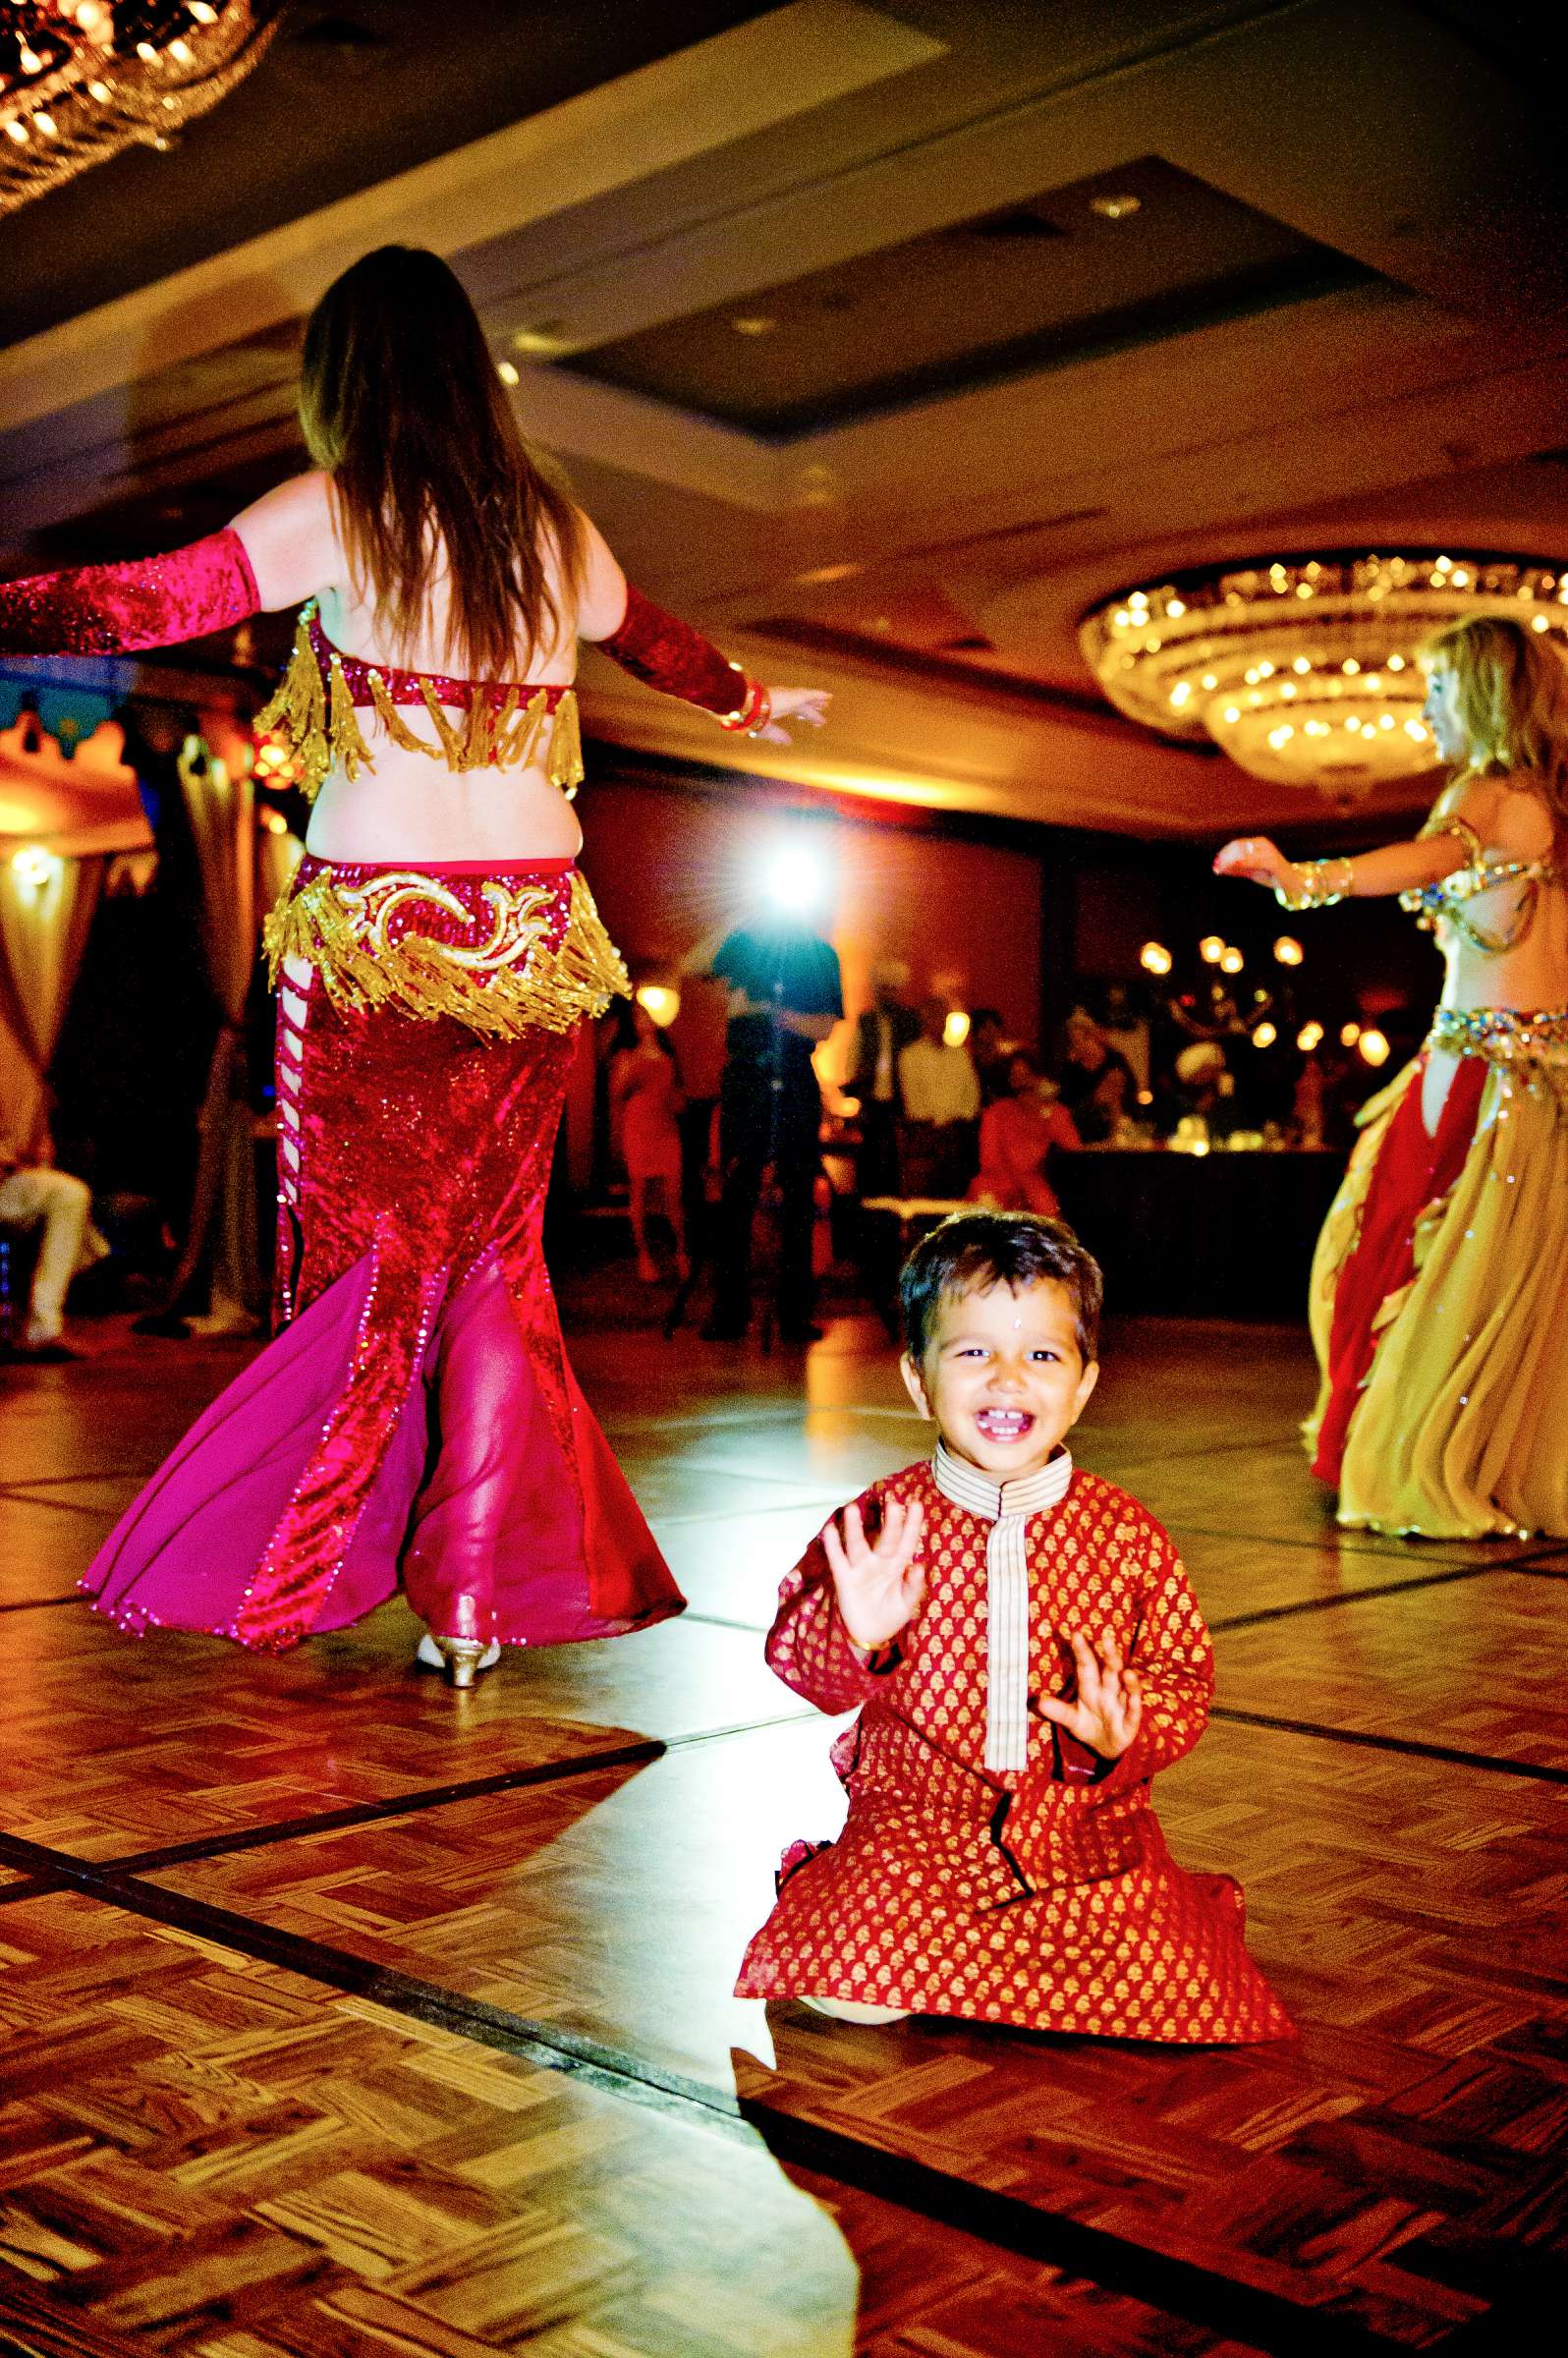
(667, 654)
(1452, 838)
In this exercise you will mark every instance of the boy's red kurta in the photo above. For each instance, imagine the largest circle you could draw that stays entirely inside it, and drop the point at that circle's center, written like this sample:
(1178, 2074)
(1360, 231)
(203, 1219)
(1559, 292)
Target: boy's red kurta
(1043, 1897)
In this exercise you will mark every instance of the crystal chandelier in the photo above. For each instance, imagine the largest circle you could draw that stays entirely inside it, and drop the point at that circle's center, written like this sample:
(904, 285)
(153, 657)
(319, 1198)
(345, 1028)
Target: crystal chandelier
(1306, 671)
(79, 80)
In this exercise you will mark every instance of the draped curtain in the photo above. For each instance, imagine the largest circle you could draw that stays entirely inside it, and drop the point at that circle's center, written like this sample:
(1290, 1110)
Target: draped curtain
(46, 905)
(221, 808)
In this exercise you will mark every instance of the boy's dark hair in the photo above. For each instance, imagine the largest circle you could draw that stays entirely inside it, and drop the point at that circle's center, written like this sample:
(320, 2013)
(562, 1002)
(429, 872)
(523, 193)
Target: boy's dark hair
(974, 1251)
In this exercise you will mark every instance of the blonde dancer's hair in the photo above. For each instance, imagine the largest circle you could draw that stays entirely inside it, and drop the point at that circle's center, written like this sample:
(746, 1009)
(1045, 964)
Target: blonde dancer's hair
(1511, 699)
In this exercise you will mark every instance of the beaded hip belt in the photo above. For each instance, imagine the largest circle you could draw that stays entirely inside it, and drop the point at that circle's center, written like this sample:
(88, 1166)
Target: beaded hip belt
(1529, 1046)
(503, 954)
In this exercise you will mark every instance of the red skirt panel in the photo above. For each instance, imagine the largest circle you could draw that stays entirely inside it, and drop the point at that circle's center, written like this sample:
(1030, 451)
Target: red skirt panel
(416, 1422)
(1414, 1167)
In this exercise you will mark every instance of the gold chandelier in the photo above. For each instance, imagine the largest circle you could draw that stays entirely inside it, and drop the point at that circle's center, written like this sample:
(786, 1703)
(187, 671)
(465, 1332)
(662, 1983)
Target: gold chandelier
(79, 80)
(1306, 671)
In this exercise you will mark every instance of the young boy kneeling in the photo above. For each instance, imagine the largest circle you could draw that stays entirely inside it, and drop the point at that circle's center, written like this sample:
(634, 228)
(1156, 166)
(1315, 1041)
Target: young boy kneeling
(1026, 1651)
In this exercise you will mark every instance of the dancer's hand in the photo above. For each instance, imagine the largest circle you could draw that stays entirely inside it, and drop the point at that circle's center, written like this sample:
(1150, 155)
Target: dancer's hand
(1255, 859)
(808, 705)
(879, 1583)
(1109, 1708)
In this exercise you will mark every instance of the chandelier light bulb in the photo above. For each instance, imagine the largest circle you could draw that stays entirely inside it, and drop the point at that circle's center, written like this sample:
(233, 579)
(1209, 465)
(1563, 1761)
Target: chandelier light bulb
(1155, 958)
(1231, 962)
(1211, 949)
(1288, 950)
(1309, 1037)
(1264, 1036)
(182, 52)
(1373, 1047)
(28, 59)
(1349, 1033)
(32, 865)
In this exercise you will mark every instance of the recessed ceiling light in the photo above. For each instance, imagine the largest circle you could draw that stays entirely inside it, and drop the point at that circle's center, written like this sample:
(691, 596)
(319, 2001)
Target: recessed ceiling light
(1115, 208)
(754, 326)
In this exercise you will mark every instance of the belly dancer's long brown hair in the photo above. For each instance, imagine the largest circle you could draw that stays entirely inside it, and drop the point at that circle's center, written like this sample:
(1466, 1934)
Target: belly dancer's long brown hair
(400, 403)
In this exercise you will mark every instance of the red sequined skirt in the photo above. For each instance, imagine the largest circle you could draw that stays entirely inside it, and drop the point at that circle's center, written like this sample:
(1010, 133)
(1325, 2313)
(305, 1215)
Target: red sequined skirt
(416, 1422)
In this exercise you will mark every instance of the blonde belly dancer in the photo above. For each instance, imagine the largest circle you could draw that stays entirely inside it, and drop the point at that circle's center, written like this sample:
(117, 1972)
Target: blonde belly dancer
(1440, 1289)
(416, 1420)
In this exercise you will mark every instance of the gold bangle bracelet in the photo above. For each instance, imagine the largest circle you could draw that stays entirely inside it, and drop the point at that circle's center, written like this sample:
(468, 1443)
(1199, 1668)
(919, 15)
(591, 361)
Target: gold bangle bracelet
(1319, 887)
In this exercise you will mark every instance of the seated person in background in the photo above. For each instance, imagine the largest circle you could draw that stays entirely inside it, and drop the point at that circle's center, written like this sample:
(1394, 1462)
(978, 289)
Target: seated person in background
(1026, 1651)
(881, 1034)
(1017, 1136)
(941, 1102)
(990, 1048)
(33, 1195)
(1095, 1070)
(1110, 1109)
(1204, 1084)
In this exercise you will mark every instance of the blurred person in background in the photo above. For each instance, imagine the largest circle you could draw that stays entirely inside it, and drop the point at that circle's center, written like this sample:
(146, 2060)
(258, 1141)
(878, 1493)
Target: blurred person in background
(1018, 1136)
(647, 1097)
(881, 1033)
(941, 1105)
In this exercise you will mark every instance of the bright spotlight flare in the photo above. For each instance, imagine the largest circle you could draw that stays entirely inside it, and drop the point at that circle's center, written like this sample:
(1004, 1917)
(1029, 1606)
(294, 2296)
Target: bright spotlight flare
(795, 879)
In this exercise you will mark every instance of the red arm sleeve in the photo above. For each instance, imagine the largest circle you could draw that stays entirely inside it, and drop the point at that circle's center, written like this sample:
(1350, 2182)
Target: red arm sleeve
(670, 655)
(114, 609)
(809, 1649)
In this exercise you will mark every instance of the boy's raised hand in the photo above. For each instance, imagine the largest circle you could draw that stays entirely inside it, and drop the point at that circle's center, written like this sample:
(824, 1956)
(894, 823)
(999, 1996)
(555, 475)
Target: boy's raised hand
(878, 1582)
(1109, 1708)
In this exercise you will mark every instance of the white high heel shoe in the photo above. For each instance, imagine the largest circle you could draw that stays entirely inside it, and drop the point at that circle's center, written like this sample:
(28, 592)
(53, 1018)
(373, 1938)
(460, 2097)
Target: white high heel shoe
(462, 1659)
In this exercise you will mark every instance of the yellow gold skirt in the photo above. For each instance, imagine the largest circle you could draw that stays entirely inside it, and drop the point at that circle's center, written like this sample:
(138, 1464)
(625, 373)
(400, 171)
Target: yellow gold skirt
(1461, 1429)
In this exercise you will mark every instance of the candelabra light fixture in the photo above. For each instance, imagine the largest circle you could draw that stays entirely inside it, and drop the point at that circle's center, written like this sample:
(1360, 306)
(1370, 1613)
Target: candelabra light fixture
(80, 80)
(1306, 671)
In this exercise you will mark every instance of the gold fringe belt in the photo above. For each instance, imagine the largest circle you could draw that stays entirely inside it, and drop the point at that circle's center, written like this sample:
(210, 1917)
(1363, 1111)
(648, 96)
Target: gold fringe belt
(319, 719)
(1529, 1049)
(509, 982)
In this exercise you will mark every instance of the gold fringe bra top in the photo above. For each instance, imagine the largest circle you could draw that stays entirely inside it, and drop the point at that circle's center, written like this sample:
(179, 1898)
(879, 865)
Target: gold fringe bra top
(508, 722)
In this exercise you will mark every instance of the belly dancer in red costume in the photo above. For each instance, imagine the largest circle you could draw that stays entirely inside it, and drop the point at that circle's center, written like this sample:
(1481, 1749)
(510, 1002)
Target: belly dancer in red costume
(415, 1418)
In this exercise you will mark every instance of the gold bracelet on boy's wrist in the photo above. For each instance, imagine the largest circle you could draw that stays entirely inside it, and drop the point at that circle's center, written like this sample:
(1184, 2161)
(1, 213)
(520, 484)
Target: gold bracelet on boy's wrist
(1322, 884)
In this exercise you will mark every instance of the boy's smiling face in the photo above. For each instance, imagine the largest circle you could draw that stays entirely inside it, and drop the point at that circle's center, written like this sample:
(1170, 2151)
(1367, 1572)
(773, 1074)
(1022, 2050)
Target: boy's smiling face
(1003, 1376)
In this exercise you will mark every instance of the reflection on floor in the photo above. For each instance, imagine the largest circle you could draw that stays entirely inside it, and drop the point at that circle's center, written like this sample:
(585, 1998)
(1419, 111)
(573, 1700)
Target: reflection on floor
(342, 2014)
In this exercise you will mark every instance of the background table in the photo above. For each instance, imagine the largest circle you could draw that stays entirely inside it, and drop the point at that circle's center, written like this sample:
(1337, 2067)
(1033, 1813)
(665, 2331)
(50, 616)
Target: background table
(1223, 1235)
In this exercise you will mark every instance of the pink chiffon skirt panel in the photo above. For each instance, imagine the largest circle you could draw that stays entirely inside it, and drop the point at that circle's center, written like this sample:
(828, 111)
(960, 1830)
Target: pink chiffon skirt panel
(416, 1420)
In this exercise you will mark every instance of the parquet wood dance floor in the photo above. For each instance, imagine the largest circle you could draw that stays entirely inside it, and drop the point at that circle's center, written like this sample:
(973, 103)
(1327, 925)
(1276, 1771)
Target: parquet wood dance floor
(340, 2014)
